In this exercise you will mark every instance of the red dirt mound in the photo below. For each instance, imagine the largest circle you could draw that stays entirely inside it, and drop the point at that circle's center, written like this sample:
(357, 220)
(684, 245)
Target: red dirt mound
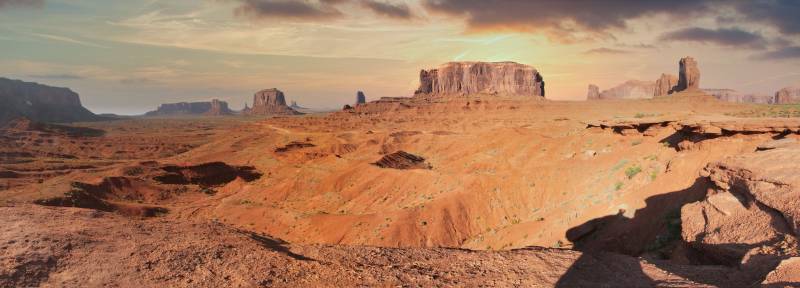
(403, 160)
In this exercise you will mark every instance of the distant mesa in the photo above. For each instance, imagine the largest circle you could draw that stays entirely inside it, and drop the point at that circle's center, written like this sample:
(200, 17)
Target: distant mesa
(270, 102)
(688, 79)
(594, 92)
(213, 108)
(631, 89)
(731, 95)
(788, 95)
(474, 78)
(361, 98)
(41, 103)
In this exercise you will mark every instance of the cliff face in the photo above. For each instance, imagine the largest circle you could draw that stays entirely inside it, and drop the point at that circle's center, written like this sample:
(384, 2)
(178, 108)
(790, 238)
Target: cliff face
(469, 78)
(215, 107)
(593, 93)
(40, 103)
(270, 102)
(788, 95)
(689, 75)
(665, 84)
(632, 89)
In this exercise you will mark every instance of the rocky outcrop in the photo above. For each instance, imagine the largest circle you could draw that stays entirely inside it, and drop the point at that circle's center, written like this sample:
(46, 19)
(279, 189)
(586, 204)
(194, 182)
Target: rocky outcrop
(40, 103)
(270, 102)
(219, 108)
(730, 95)
(788, 95)
(689, 75)
(632, 89)
(665, 84)
(361, 98)
(753, 216)
(215, 107)
(594, 92)
(403, 160)
(472, 78)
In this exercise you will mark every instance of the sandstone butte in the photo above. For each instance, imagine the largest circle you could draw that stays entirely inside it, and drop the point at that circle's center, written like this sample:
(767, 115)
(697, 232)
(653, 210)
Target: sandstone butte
(593, 92)
(270, 102)
(788, 95)
(360, 98)
(677, 191)
(688, 78)
(472, 78)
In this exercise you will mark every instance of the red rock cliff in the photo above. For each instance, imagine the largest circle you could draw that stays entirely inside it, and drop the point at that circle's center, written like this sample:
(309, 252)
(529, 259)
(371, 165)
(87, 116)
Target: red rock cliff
(467, 78)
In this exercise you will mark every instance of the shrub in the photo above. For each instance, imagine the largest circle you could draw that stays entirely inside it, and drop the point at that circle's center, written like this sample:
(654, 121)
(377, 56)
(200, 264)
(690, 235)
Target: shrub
(632, 171)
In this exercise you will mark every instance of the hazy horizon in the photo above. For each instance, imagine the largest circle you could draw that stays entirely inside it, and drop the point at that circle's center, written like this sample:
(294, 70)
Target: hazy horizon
(128, 58)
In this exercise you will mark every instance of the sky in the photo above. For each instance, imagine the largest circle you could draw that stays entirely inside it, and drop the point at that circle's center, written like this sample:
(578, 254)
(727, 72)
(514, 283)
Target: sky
(127, 57)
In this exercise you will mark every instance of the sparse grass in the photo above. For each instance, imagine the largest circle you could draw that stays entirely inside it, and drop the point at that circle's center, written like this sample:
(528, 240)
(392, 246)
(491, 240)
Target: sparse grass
(636, 142)
(617, 186)
(632, 171)
(653, 175)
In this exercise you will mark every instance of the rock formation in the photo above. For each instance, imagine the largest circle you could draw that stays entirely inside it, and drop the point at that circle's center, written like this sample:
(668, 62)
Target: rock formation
(470, 78)
(594, 92)
(788, 95)
(689, 75)
(40, 103)
(665, 84)
(270, 102)
(730, 95)
(215, 107)
(632, 89)
(754, 216)
(360, 98)
(403, 160)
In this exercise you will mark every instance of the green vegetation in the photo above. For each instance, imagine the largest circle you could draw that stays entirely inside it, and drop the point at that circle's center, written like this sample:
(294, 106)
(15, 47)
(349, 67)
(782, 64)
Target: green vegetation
(653, 175)
(617, 186)
(632, 171)
(636, 142)
(672, 233)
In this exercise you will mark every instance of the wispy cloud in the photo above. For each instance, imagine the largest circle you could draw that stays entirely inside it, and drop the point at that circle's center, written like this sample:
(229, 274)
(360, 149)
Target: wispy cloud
(69, 40)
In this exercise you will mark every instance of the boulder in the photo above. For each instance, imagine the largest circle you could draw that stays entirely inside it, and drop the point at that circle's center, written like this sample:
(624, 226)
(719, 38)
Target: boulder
(665, 84)
(471, 78)
(360, 98)
(594, 92)
(788, 95)
(270, 102)
(40, 103)
(632, 89)
(688, 75)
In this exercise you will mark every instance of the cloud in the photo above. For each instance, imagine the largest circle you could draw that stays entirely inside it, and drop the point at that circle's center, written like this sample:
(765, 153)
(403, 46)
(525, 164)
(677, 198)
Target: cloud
(286, 9)
(732, 37)
(68, 40)
(64, 76)
(605, 51)
(21, 3)
(786, 53)
(781, 14)
(560, 20)
(398, 11)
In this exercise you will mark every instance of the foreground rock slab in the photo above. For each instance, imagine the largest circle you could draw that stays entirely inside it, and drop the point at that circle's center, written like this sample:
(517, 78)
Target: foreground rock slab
(70, 247)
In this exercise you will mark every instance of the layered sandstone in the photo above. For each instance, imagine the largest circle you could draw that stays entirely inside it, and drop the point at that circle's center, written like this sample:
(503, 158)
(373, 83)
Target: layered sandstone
(665, 84)
(632, 89)
(214, 107)
(594, 92)
(470, 78)
(361, 98)
(40, 103)
(270, 102)
(788, 95)
(689, 75)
